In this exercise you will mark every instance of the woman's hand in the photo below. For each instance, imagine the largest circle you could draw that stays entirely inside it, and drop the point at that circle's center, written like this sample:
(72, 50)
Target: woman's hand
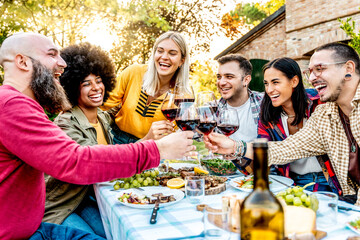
(159, 129)
(219, 143)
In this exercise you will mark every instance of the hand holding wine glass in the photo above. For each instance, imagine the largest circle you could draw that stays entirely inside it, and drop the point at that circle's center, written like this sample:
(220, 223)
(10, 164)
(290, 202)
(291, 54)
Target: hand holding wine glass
(168, 106)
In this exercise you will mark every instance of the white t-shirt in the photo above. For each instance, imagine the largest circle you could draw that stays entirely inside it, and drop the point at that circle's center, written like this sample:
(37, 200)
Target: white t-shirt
(247, 128)
(304, 165)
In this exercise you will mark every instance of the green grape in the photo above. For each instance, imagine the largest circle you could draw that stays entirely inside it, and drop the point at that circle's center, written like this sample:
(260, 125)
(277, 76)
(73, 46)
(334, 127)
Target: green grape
(140, 179)
(135, 182)
(288, 191)
(156, 183)
(307, 202)
(148, 179)
(153, 174)
(298, 194)
(295, 189)
(297, 201)
(116, 186)
(145, 183)
(127, 185)
(147, 174)
(127, 180)
(280, 194)
(122, 185)
(303, 197)
(137, 175)
(289, 198)
(157, 172)
(132, 185)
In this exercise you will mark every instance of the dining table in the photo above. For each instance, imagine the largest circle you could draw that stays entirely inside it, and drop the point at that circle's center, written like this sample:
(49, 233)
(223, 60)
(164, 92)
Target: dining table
(182, 220)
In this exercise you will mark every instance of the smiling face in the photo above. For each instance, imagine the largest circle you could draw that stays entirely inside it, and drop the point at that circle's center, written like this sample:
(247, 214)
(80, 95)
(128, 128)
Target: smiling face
(168, 59)
(92, 92)
(230, 81)
(330, 82)
(279, 87)
(48, 54)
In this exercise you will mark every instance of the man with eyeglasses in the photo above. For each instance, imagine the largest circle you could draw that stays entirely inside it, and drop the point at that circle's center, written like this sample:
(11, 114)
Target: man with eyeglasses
(233, 79)
(333, 129)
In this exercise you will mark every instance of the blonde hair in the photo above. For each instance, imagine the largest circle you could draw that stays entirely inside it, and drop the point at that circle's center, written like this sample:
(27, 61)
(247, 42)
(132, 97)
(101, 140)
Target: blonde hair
(151, 82)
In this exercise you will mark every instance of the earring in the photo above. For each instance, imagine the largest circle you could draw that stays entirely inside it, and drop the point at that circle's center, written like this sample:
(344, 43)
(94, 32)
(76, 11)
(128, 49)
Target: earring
(245, 85)
(348, 76)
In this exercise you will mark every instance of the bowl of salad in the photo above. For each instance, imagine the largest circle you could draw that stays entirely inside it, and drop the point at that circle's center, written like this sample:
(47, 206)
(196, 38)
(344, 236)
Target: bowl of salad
(218, 166)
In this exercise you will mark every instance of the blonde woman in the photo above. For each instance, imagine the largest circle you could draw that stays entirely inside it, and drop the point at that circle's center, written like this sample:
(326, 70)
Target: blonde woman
(141, 89)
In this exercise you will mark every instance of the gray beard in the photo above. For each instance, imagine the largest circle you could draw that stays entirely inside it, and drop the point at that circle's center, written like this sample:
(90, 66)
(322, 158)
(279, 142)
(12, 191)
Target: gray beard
(50, 95)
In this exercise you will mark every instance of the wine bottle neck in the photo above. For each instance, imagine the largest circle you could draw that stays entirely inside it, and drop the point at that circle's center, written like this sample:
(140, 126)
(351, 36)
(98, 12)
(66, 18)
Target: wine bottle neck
(261, 170)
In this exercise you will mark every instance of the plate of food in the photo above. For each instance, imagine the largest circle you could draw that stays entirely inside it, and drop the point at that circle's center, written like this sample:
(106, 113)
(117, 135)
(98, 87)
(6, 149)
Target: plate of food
(354, 223)
(145, 198)
(276, 183)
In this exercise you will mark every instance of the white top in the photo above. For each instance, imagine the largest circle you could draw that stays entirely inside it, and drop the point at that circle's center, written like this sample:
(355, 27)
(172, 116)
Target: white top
(304, 165)
(247, 128)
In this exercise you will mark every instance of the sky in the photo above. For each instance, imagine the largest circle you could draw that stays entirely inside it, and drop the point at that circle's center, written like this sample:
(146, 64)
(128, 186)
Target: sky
(98, 35)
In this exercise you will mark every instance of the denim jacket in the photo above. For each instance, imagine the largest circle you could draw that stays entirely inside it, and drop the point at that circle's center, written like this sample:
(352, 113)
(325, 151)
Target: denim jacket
(63, 198)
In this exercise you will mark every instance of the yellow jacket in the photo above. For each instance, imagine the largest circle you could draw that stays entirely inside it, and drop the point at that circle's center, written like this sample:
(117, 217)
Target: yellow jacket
(135, 116)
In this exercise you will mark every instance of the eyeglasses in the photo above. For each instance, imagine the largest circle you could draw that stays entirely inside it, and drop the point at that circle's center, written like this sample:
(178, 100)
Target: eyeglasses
(318, 69)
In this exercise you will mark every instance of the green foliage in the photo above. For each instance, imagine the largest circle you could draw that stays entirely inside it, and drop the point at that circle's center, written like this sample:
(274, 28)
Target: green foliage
(239, 21)
(203, 77)
(142, 21)
(349, 27)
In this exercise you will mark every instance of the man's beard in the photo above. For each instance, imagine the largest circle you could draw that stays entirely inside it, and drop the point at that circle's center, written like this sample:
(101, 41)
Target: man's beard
(50, 95)
(334, 97)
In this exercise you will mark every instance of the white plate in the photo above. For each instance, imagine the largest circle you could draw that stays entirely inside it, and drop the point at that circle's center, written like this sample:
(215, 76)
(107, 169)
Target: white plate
(178, 195)
(274, 185)
(353, 218)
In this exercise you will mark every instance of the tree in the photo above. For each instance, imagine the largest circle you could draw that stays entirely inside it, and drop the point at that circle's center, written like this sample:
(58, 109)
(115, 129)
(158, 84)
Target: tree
(203, 76)
(349, 27)
(142, 21)
(239, 21)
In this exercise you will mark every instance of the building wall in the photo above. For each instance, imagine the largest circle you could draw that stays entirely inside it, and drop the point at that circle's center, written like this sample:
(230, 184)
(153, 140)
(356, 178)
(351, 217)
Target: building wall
(302, 13)
(312, 23)
(269, 45)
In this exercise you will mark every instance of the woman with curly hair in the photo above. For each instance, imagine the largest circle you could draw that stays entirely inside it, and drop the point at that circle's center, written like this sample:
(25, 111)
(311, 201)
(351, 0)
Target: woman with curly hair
(87, 80)
(141, 89)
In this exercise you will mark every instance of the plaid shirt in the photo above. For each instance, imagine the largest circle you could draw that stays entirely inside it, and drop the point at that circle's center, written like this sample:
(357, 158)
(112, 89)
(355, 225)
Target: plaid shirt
(255, 102)
(275, 132)
(323, 134)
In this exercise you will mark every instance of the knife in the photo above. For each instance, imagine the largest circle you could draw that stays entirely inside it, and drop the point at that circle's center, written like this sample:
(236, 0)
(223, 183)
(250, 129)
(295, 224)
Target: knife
(154, 212)
(270, 177)
(344, 208)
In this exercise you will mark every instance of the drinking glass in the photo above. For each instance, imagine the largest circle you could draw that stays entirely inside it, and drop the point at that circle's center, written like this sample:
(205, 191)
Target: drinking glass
(195, 189)
(207, 98)
(168, 106)
(187, 117)
(184, 94)
(207, 105)
(216, 223)
(228, 121)
(326, 206)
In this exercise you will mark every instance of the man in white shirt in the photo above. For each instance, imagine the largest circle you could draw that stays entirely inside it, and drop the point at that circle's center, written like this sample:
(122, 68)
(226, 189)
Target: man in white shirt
(233, 78)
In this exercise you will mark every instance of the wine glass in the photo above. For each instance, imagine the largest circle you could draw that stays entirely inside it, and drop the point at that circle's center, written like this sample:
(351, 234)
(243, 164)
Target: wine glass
(168, 106)
(207, 105)
(207, 98)
(228, 121)
(184, 94)
(187, 117)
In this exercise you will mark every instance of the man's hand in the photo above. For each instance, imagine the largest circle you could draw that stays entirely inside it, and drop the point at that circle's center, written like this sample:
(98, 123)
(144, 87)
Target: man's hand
(219, 143)
(159, 129)
(176, 145)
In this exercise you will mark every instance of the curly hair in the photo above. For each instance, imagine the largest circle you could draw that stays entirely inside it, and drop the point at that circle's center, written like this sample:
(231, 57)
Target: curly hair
(82, 60)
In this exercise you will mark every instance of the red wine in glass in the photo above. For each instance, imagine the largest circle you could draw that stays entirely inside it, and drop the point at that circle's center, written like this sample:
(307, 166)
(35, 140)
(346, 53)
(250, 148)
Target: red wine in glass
(207, 127)
(177, 101)
(170, 113)
(187, 125)
(227, 129)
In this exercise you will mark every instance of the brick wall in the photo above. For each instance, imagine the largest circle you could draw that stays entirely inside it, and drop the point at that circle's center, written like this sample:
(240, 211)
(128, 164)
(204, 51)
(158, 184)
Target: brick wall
(302, 13)
(269, 45)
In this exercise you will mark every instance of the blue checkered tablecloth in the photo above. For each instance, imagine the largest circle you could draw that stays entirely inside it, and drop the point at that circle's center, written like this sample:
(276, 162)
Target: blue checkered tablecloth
(178, 220)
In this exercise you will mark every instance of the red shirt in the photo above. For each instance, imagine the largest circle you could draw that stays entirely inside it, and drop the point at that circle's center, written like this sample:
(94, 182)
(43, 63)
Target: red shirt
(30, 145)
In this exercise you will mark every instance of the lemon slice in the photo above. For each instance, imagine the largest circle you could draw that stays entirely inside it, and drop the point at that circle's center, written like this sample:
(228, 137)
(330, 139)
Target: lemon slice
(175, 183)
(200, 170)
